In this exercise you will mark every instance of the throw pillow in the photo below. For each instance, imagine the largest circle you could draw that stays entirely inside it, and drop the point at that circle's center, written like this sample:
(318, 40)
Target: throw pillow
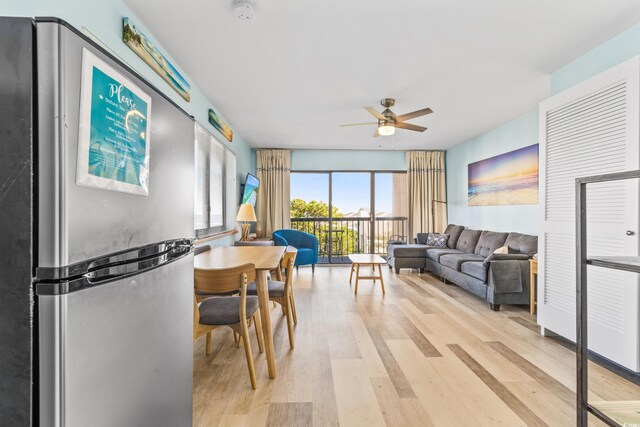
(421, 238)
(502, 250)
(438, 240)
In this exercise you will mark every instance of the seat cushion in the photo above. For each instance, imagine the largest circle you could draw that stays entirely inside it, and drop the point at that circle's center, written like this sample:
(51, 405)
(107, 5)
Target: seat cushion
(468, 240)
(454, 234)
(408, 251)
(276, 289)
(490, 241)
(522, 244)
(225, 310)
(475, 269)
(435, 254)
(455, 261)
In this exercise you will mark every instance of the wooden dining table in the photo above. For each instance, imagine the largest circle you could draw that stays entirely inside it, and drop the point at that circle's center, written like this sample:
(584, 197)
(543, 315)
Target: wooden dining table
(265, 259)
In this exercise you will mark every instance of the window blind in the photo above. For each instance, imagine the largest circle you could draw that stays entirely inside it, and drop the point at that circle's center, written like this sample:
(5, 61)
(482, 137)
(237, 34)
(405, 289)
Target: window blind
(214, 184)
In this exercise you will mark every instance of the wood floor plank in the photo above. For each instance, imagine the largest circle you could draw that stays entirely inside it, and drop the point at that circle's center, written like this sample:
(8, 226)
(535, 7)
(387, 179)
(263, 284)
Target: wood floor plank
(296, 414)
(356, 400)
(526, 323)
(418, 289)
(413, 332)
(325, 409)
(370, 356)
(526, 414)
(400, 382)
(397, 411)
(487, 408)
(546, 380)
(444, 405)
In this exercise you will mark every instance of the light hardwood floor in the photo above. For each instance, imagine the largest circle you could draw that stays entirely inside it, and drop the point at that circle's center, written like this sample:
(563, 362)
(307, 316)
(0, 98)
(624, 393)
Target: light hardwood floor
(426, 354)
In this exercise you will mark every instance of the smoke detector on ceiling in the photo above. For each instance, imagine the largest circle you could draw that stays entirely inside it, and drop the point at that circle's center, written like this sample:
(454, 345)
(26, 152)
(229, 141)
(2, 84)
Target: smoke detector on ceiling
(243, 9)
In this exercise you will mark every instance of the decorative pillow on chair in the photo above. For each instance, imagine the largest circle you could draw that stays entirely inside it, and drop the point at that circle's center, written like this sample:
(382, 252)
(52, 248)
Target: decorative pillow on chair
(438, 240)
(502, 250)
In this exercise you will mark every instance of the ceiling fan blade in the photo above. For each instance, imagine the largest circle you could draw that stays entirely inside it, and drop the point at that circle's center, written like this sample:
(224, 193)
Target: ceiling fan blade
(360, 124)
(414, 114)
(377, 134)
(375, 113)
(409, 126)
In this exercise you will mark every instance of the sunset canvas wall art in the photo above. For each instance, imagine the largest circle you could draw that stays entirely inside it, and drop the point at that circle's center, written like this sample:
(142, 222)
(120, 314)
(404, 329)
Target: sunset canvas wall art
(507, 179)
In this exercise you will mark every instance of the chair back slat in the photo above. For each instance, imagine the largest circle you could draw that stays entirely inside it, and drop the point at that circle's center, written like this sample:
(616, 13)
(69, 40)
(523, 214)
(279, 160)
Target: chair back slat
(288, 281)
(289, 254)
(218, 281)
(196, 317)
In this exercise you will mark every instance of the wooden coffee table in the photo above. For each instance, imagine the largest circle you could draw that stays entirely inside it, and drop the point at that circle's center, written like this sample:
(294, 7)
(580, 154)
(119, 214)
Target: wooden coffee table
(366, 259)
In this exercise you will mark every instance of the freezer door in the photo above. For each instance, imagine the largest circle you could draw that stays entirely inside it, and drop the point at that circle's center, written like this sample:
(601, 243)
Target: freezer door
(119, 354)
(75, 222)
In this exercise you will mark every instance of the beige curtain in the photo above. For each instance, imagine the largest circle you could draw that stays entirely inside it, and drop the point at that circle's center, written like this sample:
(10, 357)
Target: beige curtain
(426, 184)
(273, 170)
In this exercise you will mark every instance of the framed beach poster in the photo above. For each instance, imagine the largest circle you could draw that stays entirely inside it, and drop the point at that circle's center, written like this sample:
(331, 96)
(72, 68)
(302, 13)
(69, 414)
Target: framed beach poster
(154, 58)
(220, 125)
(507, 179)
(114, 138)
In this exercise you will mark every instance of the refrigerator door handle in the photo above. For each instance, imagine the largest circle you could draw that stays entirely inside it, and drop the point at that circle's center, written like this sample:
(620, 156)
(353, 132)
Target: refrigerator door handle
(100, 275)
(128, 256)
(115, 272)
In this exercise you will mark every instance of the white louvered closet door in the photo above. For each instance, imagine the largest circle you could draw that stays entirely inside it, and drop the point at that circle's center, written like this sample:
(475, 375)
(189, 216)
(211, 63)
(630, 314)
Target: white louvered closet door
(591, 129)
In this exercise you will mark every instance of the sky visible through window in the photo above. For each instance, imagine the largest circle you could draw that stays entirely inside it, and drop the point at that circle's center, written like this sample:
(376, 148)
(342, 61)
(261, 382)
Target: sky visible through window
(350, 190)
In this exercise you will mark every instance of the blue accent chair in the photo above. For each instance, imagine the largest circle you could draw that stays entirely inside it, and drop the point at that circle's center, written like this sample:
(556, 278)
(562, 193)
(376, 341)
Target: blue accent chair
(305, 243)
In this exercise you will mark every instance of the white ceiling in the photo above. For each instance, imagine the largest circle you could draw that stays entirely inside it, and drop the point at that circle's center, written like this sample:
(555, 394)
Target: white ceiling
(301, 68)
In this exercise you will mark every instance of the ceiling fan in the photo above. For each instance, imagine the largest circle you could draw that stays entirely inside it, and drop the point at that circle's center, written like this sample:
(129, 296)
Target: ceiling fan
(388, 121)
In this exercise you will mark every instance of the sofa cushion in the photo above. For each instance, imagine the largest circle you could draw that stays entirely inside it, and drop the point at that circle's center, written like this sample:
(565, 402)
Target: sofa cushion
(435, 254)
(407, 251)
(468, 240)
(522, 244)
(475, 269)
(490, 241)
(421, 238)
(455, 261)
(454, 234)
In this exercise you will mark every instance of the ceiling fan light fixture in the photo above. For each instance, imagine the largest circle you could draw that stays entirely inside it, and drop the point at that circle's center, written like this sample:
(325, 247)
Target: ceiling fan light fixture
(386, 128)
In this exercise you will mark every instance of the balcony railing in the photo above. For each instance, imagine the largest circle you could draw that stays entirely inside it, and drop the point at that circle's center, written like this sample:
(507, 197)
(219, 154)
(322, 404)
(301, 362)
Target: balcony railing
(351, 235)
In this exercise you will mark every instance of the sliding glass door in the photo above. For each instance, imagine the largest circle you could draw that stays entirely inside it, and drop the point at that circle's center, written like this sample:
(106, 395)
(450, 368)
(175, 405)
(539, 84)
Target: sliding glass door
(351, 220)
(349, 212)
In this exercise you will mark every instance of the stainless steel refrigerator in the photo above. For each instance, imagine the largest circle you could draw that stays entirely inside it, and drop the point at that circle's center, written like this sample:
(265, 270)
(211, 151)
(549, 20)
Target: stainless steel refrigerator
(112, 272)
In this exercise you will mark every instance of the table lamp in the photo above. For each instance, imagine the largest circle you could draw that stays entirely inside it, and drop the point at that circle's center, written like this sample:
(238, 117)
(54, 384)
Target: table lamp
(246, 215)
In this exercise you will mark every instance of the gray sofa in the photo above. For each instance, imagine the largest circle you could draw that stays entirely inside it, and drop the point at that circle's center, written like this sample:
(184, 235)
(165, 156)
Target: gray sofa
(469, 262)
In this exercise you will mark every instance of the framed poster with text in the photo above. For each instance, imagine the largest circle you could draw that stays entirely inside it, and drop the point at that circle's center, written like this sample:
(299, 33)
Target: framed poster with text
(113, 143)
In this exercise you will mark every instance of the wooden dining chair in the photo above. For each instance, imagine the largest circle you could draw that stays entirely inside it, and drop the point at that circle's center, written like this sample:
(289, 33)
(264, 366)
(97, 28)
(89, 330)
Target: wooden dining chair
(232, 311)
(282, 293)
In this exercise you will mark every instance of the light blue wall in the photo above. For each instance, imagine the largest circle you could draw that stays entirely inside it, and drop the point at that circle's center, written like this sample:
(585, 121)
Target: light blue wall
(515, 134)
(309, 160)
(616, 50)
(103, 18)
(522, 132)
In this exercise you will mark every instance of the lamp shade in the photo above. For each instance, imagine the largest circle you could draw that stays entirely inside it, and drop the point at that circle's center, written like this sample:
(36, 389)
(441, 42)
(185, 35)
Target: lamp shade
(246, 213)
(387, 129)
